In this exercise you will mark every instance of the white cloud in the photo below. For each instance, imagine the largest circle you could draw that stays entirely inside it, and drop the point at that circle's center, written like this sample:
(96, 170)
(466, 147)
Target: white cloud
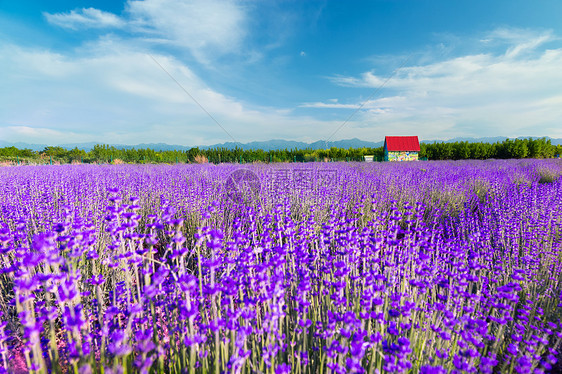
(519, 41)
(527, 46)
(515, 93)
(331, 105)
(203, 26)
(206, 28)
(120, 95)
(111, 91)
(42, 135)
(84, 18)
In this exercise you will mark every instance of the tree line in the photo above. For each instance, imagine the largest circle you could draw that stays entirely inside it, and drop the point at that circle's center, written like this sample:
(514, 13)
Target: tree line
(509, 148)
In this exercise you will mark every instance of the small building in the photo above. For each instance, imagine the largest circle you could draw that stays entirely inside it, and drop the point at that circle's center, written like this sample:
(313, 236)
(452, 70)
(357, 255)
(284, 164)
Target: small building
(368, 158)
(401, 148)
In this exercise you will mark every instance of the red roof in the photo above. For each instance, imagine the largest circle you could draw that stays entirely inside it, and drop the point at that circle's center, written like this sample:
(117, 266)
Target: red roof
(402, 143)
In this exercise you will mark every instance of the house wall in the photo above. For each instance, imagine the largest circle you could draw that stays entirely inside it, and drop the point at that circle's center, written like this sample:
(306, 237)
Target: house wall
(401, 156)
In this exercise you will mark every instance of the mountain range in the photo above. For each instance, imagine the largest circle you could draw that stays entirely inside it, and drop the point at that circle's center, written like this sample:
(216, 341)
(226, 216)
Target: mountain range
(274, 144)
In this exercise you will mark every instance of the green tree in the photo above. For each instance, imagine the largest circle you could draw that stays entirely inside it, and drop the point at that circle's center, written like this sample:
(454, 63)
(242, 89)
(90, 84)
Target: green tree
(55, 151)
(478, 151)
(76, 154)
(461, 150)
(519, 149)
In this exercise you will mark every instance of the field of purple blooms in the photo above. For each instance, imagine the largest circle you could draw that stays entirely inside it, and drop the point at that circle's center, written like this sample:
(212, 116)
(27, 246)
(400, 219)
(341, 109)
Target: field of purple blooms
(431, 267)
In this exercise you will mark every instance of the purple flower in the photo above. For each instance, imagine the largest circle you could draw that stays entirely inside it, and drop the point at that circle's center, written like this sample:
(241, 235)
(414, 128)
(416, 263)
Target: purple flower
(115, 370)
(32, 328)
(428, 369)
(74, 318)
(393, 313)
(44, 242)
(302, 356)
(487, 364)
(150, 291)
(144, 364)
(337, 368)
(96, 280)
(442, 354)
(462, 364)
(85, 369)
(513, 349)
(353, 365)
(523, 365)
(393, 328)
(283, 369)
(117, 345)
(27, 284)
(67, 291)
(375, 338)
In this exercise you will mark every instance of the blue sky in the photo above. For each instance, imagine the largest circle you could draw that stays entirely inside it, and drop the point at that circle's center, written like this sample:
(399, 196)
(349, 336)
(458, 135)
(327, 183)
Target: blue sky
(89, 71)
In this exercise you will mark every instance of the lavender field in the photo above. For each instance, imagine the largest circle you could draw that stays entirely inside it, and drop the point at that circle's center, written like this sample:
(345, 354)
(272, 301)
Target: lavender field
(431, 267)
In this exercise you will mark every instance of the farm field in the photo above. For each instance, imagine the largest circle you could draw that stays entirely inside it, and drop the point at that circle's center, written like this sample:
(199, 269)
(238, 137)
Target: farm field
(431, 267)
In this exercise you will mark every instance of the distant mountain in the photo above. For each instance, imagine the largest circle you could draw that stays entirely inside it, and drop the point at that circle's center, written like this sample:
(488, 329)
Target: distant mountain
(162, 147)
(491, 139)
(155, 146)
(274, 144)
(21, 145)
(89, 146)
(494, 139)
(348, 143)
